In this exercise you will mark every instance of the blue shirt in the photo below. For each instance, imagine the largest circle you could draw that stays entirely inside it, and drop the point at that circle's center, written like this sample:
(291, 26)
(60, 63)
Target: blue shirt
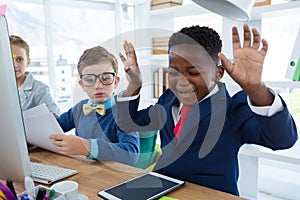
(107, 141)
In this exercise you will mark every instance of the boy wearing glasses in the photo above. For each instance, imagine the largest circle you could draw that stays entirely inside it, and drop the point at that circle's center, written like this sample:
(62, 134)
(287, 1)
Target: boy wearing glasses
(97, 135)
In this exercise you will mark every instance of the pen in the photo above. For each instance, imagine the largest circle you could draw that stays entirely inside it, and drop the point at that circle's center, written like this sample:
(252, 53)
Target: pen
(10, 185)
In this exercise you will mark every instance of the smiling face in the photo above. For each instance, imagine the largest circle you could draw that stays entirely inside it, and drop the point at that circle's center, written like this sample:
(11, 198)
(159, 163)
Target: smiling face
(192, 73)
(21, 61)
(99, 92)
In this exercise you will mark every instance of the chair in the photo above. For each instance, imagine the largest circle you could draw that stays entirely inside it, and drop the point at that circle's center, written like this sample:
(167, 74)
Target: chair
(156, 157)
(149, 150)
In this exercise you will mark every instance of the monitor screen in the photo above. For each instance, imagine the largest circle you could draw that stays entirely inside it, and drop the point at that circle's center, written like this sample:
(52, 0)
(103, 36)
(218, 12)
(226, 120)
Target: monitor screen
(15, 163)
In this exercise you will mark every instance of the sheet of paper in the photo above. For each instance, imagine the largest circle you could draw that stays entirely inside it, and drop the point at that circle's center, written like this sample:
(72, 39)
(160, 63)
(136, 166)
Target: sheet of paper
(39, 125)
(36, 111)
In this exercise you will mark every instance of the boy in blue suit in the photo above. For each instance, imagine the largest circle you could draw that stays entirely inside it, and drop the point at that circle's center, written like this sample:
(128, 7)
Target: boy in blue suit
(97, 135)
(204, 149)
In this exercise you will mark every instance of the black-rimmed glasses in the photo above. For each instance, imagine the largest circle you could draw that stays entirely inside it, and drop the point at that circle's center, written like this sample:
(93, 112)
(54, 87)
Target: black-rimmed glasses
(106, 78)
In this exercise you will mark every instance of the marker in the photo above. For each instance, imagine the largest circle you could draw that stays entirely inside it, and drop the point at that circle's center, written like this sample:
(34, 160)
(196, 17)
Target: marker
(10, 185)
(51, 193)
(41, 193)
(21, 196)
(46, 197)
(2, 196)
(25, 197)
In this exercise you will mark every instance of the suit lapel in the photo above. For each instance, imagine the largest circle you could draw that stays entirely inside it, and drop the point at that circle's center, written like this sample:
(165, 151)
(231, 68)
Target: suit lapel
(170, 121)
(215, 108)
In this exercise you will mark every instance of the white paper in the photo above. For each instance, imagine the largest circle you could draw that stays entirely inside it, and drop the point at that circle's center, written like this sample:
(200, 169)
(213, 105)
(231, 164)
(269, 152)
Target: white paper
(36, 111)
(39, 125)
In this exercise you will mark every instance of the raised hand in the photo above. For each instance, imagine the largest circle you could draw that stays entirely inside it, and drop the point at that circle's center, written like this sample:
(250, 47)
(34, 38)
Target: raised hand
(247, 67)
(132, 70)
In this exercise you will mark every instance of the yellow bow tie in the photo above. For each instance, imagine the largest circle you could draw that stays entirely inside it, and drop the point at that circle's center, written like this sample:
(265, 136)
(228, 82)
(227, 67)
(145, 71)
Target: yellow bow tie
(87, 109)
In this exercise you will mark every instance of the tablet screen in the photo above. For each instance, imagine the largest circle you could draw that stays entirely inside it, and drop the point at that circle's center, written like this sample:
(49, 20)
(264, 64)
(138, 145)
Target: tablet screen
(147, 186)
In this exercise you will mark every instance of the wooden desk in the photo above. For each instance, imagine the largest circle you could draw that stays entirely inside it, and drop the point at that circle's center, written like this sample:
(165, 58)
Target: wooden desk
(94, 176)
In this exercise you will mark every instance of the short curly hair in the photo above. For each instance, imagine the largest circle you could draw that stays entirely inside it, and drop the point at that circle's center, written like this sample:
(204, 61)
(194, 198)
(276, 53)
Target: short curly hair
(208, 38)
(94, 56)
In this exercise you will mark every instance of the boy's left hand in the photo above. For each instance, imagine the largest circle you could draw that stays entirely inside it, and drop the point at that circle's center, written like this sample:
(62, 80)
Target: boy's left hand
(71, 144)
(248, 64)
(132, 70)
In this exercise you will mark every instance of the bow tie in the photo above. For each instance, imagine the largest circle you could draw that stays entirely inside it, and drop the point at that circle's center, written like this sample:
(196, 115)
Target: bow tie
(87, 109)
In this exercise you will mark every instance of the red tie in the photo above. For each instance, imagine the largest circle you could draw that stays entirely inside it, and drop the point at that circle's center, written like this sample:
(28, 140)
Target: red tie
(180, 124)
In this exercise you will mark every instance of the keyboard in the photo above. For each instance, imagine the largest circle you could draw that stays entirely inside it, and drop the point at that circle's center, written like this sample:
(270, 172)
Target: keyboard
(48, 174)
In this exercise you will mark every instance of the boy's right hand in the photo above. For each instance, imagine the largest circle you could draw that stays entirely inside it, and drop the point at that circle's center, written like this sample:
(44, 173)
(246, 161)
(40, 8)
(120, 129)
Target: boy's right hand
(71, 144)
(132, 70)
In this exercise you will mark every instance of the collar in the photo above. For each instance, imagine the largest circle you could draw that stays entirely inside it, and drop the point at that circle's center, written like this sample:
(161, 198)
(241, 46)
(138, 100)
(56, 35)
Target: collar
(108, 103)
(212, 92)
(28, 82)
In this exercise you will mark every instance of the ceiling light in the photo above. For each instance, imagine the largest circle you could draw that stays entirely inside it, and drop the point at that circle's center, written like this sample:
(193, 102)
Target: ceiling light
(233, 9)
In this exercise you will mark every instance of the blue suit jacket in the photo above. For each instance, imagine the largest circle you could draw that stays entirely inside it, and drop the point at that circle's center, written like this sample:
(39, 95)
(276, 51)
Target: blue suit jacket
(216, 128)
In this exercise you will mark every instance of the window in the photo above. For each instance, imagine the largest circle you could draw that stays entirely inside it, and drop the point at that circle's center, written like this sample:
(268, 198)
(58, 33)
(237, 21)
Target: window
(281, 30)
(58, 31)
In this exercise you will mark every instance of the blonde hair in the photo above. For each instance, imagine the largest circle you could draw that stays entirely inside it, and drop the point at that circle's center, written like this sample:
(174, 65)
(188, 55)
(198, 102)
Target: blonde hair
(94, 56)
(17, 40)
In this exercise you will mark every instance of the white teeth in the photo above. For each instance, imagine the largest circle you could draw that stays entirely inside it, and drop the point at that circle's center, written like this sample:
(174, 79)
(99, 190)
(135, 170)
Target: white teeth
(189, 92)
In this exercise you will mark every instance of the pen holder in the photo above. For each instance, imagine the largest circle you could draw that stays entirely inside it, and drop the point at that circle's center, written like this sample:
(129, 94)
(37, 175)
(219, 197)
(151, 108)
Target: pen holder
(57, 196)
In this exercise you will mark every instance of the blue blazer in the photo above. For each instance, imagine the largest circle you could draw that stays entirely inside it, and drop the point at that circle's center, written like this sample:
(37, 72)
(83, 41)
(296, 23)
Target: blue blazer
(216, 128)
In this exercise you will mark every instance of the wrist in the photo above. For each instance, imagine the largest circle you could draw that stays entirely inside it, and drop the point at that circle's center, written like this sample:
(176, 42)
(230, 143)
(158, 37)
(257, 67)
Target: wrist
(86, 144)
(260, 95)
(132, 91)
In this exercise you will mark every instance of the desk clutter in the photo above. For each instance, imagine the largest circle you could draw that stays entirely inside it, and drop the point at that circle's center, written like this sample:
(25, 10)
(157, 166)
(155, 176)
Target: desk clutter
(63, 190)
(41, 192)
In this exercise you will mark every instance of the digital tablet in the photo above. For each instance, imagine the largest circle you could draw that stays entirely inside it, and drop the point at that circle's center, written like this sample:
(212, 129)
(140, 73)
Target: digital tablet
(148, 186)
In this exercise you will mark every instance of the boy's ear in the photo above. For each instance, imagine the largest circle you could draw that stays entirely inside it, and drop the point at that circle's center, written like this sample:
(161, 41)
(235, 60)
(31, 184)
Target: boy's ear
(28, 62)
(117, 80)
(81, 84)
(219, 73)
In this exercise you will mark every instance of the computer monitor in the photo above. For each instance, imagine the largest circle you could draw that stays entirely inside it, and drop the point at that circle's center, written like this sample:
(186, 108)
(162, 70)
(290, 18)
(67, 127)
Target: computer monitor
(14, 157)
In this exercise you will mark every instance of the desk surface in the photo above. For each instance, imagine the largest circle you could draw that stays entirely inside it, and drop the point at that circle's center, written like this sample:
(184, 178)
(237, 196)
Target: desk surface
(94, 176)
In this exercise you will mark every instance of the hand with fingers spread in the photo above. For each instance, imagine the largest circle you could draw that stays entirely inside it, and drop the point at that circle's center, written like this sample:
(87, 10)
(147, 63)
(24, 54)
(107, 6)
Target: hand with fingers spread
(200, 123)
(247, 67)
(132, 70)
